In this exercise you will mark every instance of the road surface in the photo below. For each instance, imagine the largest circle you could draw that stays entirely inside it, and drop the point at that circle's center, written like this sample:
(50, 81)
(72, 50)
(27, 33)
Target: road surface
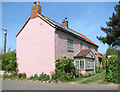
(29, 85)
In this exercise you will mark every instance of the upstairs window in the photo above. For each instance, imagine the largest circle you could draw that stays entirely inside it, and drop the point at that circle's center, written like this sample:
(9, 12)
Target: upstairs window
(70, 44)
(81, 45)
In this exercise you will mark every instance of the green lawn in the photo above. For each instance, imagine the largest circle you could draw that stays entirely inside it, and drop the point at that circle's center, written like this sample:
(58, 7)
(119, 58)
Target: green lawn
(101, 76)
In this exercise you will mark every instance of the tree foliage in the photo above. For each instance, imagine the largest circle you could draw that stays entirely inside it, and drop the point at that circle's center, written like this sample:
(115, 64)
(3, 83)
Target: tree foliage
(65, 69)
(104, 60)
(112, 51)
(112, 30)
(9, 61)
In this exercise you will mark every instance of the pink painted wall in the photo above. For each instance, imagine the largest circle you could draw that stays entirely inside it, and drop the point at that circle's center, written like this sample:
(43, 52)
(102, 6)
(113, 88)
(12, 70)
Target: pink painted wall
(61, 45)
(36, 48)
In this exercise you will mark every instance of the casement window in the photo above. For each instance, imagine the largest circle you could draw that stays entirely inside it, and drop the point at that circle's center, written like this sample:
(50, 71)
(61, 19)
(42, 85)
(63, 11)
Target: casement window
(89, 64)
(70, 44)
(79, 64)
(81, 45)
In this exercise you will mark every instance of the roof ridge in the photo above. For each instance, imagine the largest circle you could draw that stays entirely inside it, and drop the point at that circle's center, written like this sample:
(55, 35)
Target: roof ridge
(87, 39)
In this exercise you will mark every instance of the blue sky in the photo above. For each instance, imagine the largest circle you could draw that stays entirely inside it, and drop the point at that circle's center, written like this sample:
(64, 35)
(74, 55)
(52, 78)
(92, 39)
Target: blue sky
(84, 17)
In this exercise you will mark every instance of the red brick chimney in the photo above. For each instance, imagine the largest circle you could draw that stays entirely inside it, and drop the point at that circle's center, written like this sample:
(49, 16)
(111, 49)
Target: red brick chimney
(36, 9)
(65, 23)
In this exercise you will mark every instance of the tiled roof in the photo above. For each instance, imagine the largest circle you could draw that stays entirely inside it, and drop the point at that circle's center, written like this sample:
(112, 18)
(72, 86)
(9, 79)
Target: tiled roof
(99, 55)
(83, 52)
(88, 40)
(60, 25)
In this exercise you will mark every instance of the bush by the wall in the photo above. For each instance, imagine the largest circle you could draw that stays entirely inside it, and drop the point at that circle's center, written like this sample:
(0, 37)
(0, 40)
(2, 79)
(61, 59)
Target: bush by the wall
(65, 69)
(41, 77)
(9, 61)
(22, 76)
(44, 77)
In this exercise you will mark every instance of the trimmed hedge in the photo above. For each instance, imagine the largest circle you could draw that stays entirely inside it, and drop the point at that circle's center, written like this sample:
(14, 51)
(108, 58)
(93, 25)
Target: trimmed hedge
(112, 70)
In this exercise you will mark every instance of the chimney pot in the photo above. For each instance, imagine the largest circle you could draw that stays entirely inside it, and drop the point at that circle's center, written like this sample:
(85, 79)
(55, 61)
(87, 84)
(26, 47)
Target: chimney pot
(38, 3)
(34, 3)
(35, 10)
(65, 19)
(65, 23)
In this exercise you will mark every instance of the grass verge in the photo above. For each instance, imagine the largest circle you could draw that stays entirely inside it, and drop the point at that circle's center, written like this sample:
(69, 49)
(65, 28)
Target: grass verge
(93, 79)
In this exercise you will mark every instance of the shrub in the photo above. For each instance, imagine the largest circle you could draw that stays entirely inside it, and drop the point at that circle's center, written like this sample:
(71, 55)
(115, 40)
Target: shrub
(5, 76)
(65, 69)
(31, 78)
(89, 75)
(99, 70)
(9, 61)
(81, 75)
(78, 73)
(104, 60)
(44, 77)
(112, 70)
(36, 77)
(62, 76)
(22, 75)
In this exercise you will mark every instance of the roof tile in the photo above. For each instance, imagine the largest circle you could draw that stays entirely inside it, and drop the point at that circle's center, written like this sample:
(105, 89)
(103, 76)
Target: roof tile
(83, 52)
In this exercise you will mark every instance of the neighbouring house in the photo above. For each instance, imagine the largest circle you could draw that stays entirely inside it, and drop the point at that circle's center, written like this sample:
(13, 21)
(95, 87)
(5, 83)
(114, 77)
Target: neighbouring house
(100, 59)
(41, 40)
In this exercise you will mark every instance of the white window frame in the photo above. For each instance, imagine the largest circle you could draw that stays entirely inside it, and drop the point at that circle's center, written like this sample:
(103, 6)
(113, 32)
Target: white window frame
(89, 64)
(79, 60)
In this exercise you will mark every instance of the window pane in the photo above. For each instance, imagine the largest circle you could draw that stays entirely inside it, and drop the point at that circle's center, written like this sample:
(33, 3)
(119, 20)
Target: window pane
(70, 44)
(81, 45)
(82, 64)
(77, 64)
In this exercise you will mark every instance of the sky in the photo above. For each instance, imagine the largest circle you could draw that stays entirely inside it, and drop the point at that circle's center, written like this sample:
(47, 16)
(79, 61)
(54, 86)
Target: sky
(84, 17)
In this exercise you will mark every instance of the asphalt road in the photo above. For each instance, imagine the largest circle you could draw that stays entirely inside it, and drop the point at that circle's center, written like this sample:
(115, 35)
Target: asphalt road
(25, 85)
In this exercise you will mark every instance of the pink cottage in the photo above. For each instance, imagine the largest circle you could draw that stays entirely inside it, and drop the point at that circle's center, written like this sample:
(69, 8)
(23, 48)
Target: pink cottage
(41, 40)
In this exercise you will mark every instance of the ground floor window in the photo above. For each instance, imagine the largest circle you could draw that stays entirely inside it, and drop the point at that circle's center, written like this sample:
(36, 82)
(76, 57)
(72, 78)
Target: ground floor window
(82, 64)
(89, 64)
(79, 64)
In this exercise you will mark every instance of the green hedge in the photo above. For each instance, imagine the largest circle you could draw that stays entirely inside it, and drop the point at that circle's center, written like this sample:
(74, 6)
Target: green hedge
(112, 70)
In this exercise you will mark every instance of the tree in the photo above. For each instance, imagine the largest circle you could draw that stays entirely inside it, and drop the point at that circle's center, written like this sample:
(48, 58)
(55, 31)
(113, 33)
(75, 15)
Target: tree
(113, 29)
(9, 63)
(112, 51)
(104, 60)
